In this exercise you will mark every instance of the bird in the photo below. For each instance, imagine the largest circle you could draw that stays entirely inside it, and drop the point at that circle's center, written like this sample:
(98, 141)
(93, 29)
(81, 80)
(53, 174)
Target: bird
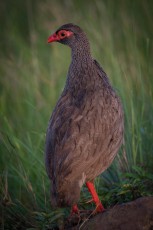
(85, 131)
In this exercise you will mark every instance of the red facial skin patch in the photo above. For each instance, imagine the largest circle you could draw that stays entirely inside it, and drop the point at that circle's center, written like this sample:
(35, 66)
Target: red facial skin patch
(61, 34)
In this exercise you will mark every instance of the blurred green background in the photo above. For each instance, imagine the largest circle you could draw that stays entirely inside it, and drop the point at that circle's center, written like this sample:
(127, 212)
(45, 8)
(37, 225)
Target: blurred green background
(32, 76)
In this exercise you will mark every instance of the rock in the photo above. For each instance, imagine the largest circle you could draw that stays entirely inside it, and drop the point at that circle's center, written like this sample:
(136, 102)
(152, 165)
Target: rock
(135, 215)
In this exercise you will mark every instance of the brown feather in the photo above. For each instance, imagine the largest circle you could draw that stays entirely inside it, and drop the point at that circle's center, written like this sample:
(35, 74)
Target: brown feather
(85, 131)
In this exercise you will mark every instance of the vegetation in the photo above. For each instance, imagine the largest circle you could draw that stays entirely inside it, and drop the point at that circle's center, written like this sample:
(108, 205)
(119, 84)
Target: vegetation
(32, 76)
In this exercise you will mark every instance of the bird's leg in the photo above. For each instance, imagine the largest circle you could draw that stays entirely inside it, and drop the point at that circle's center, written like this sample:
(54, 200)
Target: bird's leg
(96, 200)
(75, 209)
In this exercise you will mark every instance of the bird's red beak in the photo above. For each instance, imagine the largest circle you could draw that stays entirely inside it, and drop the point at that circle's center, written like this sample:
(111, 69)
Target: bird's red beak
(53, 38)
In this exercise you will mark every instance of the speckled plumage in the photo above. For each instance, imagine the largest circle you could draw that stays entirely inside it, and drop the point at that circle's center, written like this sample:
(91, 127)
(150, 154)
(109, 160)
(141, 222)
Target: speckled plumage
(86, 127)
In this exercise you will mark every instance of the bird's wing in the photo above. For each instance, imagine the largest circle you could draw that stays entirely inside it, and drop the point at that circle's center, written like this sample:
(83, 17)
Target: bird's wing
(99, 67)
(58, 131)
(101, 72)
(70, 137)
(78, 138)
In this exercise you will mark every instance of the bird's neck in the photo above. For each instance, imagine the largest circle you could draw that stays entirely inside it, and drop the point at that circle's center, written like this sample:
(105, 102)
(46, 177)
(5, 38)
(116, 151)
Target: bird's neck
(80, 75)
(81, 58)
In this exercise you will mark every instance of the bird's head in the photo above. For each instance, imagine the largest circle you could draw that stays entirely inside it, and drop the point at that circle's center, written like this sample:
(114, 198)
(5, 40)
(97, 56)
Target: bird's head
(68, 34)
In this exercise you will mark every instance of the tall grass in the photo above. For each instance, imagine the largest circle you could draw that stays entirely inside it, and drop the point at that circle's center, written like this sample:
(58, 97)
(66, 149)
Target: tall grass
(32, 76)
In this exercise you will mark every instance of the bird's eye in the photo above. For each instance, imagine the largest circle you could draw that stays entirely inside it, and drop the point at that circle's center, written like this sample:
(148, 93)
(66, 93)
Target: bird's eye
(62, 34)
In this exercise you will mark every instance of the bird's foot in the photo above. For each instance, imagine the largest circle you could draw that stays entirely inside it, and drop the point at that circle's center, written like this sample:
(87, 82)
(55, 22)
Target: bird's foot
(81, 214)
(75, 209)
(95, 198)
(74, 217)
(99, 208)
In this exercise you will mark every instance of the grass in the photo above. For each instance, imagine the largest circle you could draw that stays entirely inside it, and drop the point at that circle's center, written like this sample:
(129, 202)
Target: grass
(32, 76)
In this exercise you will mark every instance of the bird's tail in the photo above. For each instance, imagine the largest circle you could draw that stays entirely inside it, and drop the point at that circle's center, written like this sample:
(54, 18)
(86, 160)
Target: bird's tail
(64, 194)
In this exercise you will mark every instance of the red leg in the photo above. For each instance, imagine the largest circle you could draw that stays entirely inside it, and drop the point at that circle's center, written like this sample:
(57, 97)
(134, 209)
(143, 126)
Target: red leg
(91, 188)
(74, 209)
